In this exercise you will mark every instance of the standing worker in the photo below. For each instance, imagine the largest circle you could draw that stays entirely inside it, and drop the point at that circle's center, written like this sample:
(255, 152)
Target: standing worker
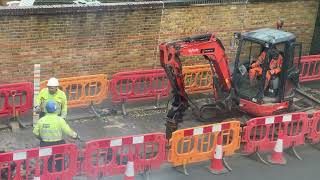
(52, 92)
(50, 128)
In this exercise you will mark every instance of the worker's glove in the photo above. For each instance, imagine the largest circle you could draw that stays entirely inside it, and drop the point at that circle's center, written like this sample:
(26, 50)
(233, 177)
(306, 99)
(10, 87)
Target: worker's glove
(77, 137)
(37, 109)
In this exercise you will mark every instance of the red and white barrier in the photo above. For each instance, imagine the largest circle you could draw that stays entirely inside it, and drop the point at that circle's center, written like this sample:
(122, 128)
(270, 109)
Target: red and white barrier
(260, 134)
(18, 165)
(147, 152)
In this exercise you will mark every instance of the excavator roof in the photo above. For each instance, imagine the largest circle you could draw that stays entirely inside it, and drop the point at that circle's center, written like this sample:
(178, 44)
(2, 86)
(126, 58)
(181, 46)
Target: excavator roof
(268, 35)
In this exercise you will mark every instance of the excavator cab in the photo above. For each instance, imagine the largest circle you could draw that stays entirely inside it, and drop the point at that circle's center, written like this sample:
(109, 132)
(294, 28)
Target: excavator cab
(259, 94)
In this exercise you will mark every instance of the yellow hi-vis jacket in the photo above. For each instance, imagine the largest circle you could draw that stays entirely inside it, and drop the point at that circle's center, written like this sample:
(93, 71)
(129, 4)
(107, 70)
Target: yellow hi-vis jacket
(51, 128)
(59, 97)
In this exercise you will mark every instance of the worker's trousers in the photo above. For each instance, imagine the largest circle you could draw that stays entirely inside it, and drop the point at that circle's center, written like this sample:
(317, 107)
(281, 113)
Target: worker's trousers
(257, 71)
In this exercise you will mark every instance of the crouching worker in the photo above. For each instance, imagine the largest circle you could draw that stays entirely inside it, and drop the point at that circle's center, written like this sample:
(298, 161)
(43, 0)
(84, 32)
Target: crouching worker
(50, 129)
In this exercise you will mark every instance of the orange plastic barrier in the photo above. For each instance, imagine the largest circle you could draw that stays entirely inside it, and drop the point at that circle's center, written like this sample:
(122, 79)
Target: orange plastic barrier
(314, 133)
(83, 90)
(52, 163)
(197, 144)
(197, 79)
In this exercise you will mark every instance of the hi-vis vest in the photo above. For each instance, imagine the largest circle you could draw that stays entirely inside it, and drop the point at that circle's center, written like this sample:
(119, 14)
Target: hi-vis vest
(59, 97)
(51, 128)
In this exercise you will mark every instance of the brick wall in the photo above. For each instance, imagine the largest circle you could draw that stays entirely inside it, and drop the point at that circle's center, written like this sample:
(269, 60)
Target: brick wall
(70, 41)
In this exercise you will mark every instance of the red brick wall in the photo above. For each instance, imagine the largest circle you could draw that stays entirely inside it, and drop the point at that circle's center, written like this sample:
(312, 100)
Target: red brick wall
(72, 41)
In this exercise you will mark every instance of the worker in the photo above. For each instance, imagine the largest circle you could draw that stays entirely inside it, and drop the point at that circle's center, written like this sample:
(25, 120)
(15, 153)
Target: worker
(52, 92)
(50, 129)
(275, 66)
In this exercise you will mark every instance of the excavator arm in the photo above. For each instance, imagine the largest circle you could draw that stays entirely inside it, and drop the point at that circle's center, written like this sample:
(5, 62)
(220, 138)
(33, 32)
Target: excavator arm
(206, 45)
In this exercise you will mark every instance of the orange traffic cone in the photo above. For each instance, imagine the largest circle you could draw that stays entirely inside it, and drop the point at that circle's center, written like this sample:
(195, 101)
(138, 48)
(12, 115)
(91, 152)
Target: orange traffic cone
(129, 174)
(217, 166)
(277, 155)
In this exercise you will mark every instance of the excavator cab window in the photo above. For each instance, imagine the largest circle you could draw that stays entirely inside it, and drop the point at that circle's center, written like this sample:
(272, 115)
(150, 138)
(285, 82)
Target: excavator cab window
(252, 77)
(248, 54)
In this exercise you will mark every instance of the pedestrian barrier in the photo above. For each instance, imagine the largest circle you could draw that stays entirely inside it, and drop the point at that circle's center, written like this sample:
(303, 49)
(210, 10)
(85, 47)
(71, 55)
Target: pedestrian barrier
(310, 68)
(139, 85)
(52, 163)
(197, 144)
(197, 79)
(261, 134)
(314, 133)
(84, 90)
(15, 98)
(108, 157)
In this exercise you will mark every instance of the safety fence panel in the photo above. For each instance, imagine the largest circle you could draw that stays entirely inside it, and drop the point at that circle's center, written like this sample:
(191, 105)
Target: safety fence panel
(197, 79)
(15, 98)
(139, 85)
(314, 133)
(52, 163)
(197, 144)
(310, 68)
(84, 90)
(261, 134)
(108, 157)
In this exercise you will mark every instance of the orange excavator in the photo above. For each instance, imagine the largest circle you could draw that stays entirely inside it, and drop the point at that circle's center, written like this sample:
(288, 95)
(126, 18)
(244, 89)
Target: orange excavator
(232, 88)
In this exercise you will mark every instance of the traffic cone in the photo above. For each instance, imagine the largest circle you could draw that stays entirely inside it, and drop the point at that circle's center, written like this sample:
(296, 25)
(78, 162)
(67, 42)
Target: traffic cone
(277, 155)
(129, 174)
(217, 166)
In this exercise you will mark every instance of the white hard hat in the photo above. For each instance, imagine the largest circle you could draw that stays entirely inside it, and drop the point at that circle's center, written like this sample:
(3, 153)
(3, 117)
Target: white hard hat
(53, 82)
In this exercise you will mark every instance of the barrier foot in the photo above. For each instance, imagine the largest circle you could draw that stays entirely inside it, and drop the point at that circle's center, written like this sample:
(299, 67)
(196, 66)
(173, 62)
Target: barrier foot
(255, 156)
(94, 110)
(226, 164)
(292, 151)
(21, 123)
(182, 169)
(261, 159)
(124, 112)
(157, 102)
(315, 146)
(146, 174)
